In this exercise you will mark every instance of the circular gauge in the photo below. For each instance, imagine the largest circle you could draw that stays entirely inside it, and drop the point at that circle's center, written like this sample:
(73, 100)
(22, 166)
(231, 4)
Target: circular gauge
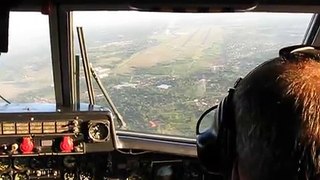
(19, 176)
(36, 163)
(69, 161)
(52, 162)
(21, 164)
(5, 164)
(98, 131)
(5, 177)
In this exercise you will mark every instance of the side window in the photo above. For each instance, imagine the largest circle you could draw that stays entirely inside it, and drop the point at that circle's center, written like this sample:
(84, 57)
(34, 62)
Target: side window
(163, 70)
(26, 70)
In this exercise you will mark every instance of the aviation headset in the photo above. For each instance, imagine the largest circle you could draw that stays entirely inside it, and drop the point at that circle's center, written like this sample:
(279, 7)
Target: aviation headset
(216, 147)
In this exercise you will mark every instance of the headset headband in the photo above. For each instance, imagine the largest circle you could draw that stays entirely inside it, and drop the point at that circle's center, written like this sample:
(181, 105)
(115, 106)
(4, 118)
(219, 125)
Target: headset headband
(299, 52)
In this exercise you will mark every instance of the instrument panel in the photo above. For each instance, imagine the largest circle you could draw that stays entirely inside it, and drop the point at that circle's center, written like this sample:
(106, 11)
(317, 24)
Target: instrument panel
(49, 145)
(78, 145)
(55, 133)
(36, 134)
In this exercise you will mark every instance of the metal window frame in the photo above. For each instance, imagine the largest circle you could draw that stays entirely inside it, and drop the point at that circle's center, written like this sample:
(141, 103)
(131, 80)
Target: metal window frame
(312, 36)
(62, 48)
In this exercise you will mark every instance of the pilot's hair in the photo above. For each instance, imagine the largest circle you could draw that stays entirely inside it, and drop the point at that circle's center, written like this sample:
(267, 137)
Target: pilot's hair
(277, 112)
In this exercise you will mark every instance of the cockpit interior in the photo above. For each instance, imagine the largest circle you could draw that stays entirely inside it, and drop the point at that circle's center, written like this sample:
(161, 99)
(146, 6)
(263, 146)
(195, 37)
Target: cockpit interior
(113, 90)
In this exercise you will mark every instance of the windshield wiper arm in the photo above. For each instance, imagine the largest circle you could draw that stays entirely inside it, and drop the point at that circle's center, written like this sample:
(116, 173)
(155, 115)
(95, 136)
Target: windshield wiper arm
(87, 68)
(108, 98)
(85, 62)
(4, 99)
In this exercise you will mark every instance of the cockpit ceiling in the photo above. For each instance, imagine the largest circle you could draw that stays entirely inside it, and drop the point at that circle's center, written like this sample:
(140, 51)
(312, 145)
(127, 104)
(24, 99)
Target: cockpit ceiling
(177, 5)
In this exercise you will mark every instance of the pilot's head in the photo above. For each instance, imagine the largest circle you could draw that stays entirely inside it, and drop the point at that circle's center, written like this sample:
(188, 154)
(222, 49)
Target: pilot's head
(268, 127)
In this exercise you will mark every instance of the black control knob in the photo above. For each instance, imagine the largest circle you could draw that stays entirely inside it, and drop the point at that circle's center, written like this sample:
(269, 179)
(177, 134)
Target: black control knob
(36, 163)
(4, 148)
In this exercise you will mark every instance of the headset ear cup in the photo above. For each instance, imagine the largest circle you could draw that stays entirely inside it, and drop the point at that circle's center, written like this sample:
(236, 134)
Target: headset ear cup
(216, 146)
(207, 150)
(207, 145)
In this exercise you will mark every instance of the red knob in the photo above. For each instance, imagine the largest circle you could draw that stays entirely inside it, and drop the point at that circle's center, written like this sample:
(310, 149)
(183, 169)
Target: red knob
(26, 145)
(66, 144)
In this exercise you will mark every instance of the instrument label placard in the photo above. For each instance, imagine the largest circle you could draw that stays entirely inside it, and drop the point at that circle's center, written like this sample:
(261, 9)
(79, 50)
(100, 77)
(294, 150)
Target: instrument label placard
(9, 128)
(22, 128)
(49, 127)
(36, 127)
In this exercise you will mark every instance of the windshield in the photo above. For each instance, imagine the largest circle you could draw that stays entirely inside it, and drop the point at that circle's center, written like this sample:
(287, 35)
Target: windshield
(163, 70)
(26, 70)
